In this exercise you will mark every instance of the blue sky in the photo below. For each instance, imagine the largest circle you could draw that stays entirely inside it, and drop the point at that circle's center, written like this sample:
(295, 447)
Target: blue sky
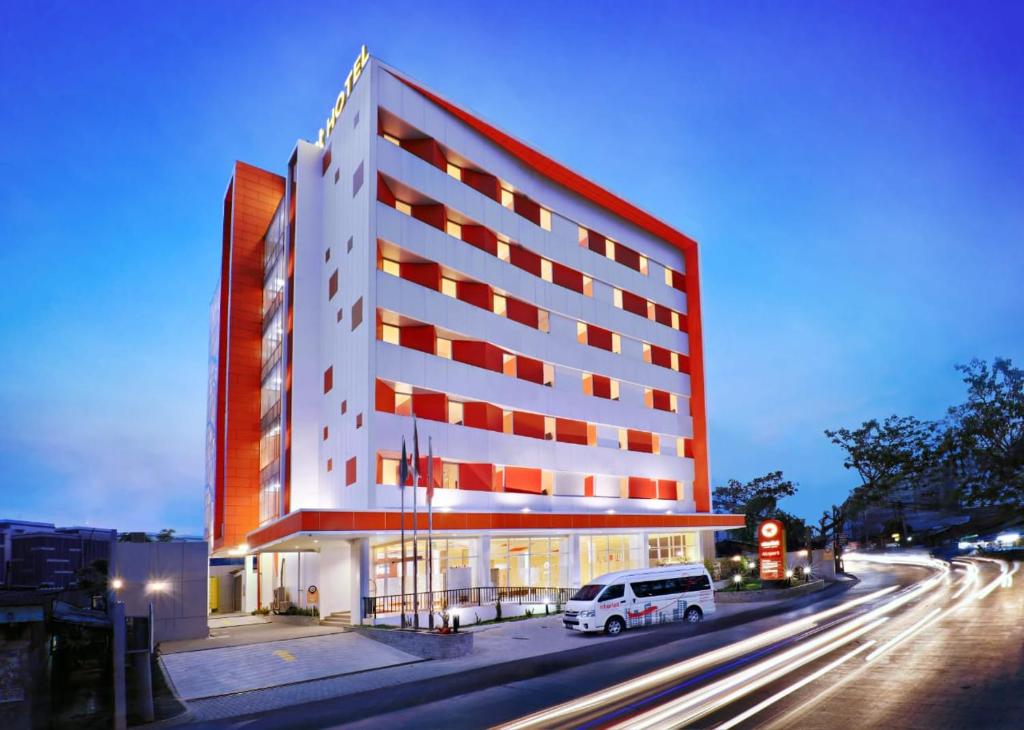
(854, 173)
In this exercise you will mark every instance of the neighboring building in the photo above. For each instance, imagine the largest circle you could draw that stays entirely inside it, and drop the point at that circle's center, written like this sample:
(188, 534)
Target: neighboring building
(545, 332)
(40, 555)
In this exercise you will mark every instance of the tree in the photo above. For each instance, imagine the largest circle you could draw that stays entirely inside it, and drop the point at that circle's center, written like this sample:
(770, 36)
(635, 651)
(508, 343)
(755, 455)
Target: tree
(984, 442)
(885, 454)
(758, 499)
(165, 535)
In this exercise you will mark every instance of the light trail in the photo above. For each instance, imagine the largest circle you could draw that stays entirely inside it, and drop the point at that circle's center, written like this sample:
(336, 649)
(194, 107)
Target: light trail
(817, 674)
(902, 636)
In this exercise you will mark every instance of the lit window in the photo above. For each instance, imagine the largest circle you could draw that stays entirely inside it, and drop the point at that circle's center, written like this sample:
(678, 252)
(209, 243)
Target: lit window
(506, 421)
(450, 476)
(403, 207)
(504, 253)
(500, 305)
(647, 352)
(507, 199)
(680, 447)
(403, 404)
(453, 229)
(623, 439)
(444, 348)
(581, 333)
(609, 248)
(549, 374)
(675, 361)
(588, 286)
(389, 471)
(549, 427)
(588, 384)
(675, 320)
(643, 265)
(449, 287)
(668, 276)
(389, 333)
(543, 320)
(545, 219)
(455, 171)
(393, 140)
(455, 413)
(547, 482)
(508, 364)
(655, 443)
(545, 270)
(391, 267)
(617, 298)
(616, 343)
(673, 403)
(581, 233)
(649, 397)
(614, 387)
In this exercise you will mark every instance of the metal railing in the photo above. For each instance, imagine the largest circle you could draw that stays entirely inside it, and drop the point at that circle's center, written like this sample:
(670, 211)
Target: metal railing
(477, 596)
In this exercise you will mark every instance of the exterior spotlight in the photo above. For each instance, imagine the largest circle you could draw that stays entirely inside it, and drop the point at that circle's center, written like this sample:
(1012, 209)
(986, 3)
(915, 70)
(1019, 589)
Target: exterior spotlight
(736, 578)
(117, 584)
(157, 586)
(789, 573)
(736, 558)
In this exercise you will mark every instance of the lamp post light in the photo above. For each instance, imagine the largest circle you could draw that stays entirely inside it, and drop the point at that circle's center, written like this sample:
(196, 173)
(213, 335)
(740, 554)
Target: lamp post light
(737, 579)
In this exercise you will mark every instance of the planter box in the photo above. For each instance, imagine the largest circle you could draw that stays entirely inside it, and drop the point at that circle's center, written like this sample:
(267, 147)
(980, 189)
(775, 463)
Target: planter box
(294, 620)
(768, 594)
(422, 643)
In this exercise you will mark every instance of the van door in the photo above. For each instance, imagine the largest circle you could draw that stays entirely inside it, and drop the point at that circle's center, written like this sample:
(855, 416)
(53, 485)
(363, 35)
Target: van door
(612, 602)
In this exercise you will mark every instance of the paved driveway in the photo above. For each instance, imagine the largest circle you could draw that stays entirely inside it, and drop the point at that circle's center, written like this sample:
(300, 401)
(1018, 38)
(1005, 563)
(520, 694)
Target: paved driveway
(228, 670)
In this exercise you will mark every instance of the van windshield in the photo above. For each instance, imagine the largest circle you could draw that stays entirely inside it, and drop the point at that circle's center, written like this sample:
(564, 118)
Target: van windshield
(588, 592)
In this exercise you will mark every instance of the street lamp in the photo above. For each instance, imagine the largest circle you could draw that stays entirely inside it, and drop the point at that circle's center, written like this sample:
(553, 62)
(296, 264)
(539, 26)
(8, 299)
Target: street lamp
(737, 579)
(117, 584)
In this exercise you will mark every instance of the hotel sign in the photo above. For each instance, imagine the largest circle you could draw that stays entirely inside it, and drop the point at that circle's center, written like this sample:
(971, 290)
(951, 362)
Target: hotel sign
(771, 550)
(350, 82)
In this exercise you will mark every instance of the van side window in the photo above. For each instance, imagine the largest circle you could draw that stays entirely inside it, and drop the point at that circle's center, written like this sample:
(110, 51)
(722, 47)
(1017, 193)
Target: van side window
(613, 592)
(696, 583)
(650, 588)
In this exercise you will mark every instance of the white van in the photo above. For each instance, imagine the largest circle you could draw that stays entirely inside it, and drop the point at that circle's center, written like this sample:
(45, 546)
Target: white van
(632, 598)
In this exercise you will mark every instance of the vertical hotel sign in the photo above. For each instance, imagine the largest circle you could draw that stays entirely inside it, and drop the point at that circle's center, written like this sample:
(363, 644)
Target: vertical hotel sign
(771, 550)
(339, 104)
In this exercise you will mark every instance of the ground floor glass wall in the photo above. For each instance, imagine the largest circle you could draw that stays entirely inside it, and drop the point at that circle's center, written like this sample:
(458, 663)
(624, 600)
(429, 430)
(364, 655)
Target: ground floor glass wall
(672, 549)
(600, 554)
(537, 562)
(454, 565)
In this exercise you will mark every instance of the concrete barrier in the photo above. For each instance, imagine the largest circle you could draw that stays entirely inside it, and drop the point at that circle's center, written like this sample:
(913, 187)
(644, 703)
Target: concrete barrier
(423, 643)
(294, 620)
(768, 594)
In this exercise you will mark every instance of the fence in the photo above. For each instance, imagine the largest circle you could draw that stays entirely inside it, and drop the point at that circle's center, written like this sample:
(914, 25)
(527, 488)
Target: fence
(478, 596)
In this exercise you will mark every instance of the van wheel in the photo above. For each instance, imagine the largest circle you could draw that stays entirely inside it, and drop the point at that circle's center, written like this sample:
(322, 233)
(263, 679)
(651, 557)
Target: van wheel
(614, 626)
(693, 615)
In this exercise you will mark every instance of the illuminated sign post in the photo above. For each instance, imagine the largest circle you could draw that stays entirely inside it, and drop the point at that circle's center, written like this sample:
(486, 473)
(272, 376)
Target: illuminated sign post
(339, 104)
(771, 550)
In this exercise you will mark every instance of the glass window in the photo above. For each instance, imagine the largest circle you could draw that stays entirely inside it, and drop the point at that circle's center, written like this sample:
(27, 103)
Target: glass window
(643, 265)
(543, 320)
(500, 305)
(612, 592)
(455, 171)
(444, 348)
(504, 253)
(617, 298)
(545, 219)
(507, 199)
(389, 333)
(616, 343)
(391, 267)
(450, 476)
(668, 276)
(403, 207)
(389, 471)
(455, 413)
(449, 287)
(588, 286)
(675, 361)
(581, 333)
(545, 270)
(393, 140)
(453, 229)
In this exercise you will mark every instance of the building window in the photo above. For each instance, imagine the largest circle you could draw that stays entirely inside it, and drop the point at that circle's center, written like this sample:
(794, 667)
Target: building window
(449, 476)
(538, 561)
(389, 334)
(332, 285)
(389, 471)
(357, 313)
(543, 320)
(357, 180)
(391, 267)
(588, 286)
(392, 139)
(341, 314)
(453, 229)
(444, 348)
(403, 207)
(507, 197)
(581, 333)
(350, 472)
(328, 379)
(330, 465)
(504, 251)
(549, 374)
(500, 305)
(325, 433)
(449, 287)
(672, 549)
(545, 270)
(643, 265)
(455, 171)
(545, 219)
(359, 420)
(617, 298)
(344, 407)
(600, 554)
(455, 413)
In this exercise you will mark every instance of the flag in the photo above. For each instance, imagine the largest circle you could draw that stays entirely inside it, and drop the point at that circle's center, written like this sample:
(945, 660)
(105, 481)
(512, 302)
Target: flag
(415, 450)
(430, 470)
(403, 467)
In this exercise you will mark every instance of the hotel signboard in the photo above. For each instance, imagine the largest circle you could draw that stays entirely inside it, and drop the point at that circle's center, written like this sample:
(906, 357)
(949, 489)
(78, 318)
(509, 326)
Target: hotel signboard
(771, 550)
(339, 104)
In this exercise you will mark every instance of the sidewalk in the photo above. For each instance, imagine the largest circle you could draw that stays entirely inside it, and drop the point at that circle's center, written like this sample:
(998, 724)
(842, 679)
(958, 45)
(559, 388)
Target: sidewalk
(498, 656)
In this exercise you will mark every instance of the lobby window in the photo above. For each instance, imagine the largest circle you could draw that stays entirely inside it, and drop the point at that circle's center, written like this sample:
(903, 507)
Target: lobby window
(453, 229)
(389, 333)
(455, 171)
(391, 267)
(672, 549)
(444, 348)
(449, 287)
(600, 554)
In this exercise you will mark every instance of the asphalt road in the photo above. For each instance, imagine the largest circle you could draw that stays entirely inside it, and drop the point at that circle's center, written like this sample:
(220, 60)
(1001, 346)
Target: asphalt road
(908, 647)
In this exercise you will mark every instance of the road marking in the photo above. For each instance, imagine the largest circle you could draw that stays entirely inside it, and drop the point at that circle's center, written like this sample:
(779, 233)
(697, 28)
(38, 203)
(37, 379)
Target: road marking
(285, 655)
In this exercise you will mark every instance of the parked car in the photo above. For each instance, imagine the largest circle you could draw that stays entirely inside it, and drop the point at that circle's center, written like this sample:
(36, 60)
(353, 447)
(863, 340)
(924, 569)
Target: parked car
(632, 598)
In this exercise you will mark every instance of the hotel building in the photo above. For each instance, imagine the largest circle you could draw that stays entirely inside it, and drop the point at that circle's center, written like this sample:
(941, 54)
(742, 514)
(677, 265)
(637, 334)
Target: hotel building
(545, 333)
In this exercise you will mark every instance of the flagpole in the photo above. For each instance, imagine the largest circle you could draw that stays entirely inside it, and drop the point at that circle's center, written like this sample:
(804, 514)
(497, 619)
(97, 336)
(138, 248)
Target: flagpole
(403, 473)
(415, 545)
(430, 531)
